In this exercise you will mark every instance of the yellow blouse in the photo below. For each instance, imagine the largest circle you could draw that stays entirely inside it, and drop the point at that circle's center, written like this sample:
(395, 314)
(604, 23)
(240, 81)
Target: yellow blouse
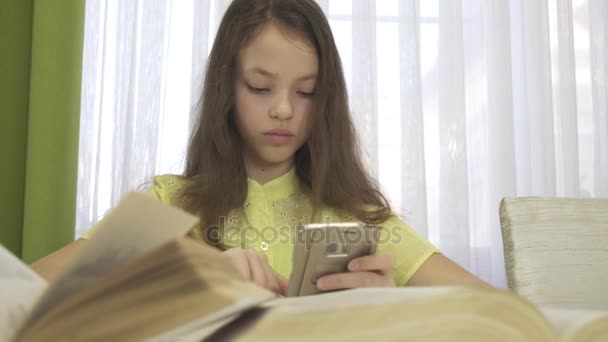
(271, 213)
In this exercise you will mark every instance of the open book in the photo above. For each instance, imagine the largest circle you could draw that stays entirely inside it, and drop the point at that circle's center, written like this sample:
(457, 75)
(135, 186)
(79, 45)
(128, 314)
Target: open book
(139, 279)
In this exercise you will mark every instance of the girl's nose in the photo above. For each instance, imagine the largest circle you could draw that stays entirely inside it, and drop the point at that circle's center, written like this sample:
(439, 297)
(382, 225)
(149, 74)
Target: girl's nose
(282, 110)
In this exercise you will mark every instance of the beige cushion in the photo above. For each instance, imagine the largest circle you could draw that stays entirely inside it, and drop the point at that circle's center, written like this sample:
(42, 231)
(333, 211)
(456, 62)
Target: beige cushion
(556, 250)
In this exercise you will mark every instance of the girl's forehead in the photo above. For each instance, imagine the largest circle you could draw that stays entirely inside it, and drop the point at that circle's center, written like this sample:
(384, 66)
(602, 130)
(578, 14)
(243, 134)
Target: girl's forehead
(279, 52)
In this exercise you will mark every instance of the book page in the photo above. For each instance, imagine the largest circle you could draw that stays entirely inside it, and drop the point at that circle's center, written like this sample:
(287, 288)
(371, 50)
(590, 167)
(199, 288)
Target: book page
(21, 287)
(402, 314)
(568, 322)
(199, 329)
(357, 297)
(137, 225)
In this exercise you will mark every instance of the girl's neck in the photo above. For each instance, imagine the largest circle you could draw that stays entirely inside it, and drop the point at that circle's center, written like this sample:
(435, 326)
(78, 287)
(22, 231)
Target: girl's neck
(267, 172)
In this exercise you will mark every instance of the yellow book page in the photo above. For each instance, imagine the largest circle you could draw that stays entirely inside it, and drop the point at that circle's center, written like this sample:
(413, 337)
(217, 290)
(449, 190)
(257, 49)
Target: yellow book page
(182, 283)
(402, 314)
(136, 226)
(21, 287)
(578, 324)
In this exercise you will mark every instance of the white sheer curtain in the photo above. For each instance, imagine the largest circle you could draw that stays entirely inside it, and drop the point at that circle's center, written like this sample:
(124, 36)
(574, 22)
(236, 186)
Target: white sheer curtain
(458, 104)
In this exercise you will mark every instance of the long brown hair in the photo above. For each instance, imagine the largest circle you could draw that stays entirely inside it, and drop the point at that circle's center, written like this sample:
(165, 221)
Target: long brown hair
(328, 164)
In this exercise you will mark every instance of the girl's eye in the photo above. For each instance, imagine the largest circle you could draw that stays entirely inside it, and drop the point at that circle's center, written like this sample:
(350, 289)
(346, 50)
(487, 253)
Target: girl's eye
(305, 94)
(257, 90)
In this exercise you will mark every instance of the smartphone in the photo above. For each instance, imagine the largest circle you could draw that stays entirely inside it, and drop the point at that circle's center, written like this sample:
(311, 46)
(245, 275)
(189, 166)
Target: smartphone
(326, 248)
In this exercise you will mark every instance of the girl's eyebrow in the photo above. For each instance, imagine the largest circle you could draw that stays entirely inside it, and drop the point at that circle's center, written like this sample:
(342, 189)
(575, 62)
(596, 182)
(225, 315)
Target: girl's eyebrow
(266, 73)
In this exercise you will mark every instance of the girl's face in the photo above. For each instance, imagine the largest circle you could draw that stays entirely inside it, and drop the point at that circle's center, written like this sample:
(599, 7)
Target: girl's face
(274, 96)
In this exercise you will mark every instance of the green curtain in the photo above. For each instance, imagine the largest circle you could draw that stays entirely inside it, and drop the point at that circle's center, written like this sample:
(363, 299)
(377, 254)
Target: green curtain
(40, 78)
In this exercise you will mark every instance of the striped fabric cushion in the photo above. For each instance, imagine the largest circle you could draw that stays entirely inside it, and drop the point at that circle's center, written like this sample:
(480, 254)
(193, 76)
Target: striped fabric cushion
(556, 250)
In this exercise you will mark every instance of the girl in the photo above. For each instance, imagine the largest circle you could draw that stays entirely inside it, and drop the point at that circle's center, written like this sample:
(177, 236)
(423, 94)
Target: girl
(274, 146)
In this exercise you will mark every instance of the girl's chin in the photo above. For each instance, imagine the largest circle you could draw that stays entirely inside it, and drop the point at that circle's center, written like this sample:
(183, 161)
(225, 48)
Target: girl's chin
(275, 159)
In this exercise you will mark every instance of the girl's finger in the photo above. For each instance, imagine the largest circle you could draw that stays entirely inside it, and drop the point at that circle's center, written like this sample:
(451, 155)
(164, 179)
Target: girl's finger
(351, 280)
(239, 260)
(283, 283)
(258, 274)
(381, 262)
(271, 280)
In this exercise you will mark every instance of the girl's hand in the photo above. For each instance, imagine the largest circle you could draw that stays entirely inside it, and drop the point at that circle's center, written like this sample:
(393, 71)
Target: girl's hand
(254, 267)
(368, 271)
